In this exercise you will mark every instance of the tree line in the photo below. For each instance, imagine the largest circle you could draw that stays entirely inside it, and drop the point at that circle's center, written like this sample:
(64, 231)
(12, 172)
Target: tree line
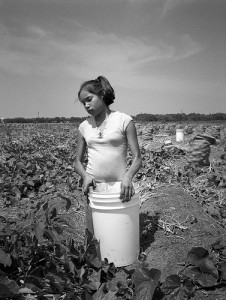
(43, 120)
(179, 117)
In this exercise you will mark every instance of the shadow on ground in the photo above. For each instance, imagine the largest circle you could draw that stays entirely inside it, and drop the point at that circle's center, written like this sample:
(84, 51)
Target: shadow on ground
(148, 227)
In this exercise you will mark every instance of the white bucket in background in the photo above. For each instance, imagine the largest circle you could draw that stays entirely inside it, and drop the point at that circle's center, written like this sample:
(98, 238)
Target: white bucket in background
(115, 223)
(179, 135)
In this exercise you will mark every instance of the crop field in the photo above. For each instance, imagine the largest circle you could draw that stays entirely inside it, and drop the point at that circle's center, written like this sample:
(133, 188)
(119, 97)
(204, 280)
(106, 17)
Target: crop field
(45, 250)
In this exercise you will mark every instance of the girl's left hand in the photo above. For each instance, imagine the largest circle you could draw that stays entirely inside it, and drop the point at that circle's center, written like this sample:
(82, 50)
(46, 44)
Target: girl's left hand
(127, 189)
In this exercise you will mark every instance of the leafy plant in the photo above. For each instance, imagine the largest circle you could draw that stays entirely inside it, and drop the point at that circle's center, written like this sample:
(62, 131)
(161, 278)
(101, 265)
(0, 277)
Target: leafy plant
(202, 271)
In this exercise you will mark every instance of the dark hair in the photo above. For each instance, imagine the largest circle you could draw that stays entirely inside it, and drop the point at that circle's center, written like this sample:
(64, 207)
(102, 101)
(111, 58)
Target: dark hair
(100, 87)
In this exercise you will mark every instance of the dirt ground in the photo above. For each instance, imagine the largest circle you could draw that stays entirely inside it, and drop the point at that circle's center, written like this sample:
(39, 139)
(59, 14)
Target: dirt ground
(165, 250)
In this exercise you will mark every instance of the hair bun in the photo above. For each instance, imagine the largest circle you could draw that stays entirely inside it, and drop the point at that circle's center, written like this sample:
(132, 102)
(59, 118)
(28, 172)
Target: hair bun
(98, 79)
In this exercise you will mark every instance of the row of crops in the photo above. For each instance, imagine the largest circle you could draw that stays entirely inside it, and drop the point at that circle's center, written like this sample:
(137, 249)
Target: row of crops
(40, 258)
(198, 163)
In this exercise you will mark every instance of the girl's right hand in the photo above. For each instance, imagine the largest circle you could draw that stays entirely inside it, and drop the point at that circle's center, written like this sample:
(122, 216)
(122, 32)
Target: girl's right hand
(87, 182)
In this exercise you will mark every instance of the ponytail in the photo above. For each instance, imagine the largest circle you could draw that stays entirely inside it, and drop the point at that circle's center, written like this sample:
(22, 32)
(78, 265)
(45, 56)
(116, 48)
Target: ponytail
(108, 92)
(101, 87)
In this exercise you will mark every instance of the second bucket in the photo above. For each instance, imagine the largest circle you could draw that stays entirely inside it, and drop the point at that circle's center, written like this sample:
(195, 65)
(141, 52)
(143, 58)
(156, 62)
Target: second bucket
(179, 135)
(115, 223)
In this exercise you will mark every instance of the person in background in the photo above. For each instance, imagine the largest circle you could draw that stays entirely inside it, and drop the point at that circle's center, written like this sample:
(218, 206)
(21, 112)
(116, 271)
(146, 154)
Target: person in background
(105, 137)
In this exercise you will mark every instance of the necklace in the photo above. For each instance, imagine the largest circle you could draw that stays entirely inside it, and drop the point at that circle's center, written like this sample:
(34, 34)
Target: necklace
(102, 127)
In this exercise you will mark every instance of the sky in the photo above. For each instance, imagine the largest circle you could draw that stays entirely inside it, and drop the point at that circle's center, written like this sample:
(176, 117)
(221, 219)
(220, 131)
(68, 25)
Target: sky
(160, 56)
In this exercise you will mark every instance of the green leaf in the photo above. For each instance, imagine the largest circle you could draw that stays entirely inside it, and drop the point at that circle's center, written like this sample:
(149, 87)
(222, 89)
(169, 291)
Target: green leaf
(90, 285)
(53, 213)
(73, 250)
(204, 279)
(145, 290)
(49, 163)
(207, 266)
(121, 278)
(68, 202)
(112, 285)
(100, 295)
(45, 205)
(42, 188)
(96, 262)
(86, 296)
(207, 280)
(223, 270)
(52, 235)
(178, 294)
(30, 183)
(48, 184)
(89, 237)
(26, 291)
(69, 266)
(189, 286)
(39, 230)
(5, 258)
(205, 273)
(109, 271)
(57, 278)
(37, 272)
(13, 200)
(58, 229)
(17, 192)
(193, 273)
(57, 272)
(59, 250)
(145, 281)
(143, 273)
(92, 254)
(171, 283)
(35, 283)
(219, 244)
(196, 254)
(8, 288)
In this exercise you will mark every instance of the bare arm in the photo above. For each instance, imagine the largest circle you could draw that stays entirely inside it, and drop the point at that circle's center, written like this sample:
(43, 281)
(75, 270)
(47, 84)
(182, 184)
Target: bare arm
(79, 167)
(127, 190)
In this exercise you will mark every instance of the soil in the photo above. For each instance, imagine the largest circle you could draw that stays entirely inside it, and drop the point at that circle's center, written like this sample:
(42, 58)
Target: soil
(167, 251)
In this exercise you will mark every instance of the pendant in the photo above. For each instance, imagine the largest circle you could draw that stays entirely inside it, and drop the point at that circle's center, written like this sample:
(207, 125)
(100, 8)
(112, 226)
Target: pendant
(100, 135)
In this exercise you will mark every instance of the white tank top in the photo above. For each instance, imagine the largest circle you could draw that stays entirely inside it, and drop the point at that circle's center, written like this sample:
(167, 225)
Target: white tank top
(106, 155)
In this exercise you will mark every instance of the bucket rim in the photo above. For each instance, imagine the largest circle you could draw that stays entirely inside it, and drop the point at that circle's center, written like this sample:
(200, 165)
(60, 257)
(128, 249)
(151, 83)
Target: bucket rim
(116, 205)
(114, 193)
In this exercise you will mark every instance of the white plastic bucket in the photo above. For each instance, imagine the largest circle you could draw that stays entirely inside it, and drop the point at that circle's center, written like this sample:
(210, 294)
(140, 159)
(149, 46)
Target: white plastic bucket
(115, 224)
(179, 135)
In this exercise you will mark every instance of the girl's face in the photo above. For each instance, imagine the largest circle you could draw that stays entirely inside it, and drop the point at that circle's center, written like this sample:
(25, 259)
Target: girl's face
(93, 104)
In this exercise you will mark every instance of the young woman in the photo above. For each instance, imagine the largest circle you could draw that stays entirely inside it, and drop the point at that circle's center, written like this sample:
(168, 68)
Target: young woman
(106, 135)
